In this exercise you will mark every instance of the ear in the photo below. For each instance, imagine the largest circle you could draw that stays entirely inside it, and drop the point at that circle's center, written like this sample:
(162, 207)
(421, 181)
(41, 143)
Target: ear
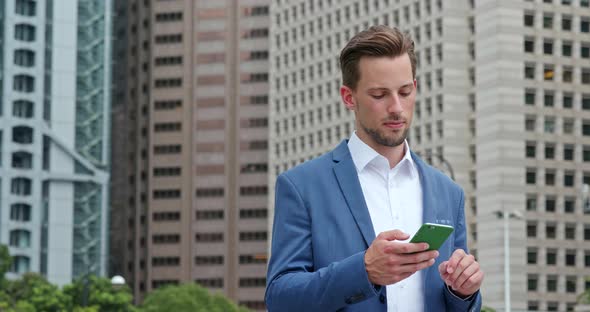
(347, 98)
(416, 84)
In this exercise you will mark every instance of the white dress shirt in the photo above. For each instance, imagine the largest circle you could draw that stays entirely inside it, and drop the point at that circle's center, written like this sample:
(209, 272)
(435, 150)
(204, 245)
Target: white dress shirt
(394, 199)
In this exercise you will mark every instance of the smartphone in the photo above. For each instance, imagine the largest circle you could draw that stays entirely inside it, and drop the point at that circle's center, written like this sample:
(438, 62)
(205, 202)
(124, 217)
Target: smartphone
(433, 234)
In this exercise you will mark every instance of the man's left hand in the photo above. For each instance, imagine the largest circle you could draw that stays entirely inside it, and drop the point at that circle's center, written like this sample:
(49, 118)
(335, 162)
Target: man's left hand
(461, 273)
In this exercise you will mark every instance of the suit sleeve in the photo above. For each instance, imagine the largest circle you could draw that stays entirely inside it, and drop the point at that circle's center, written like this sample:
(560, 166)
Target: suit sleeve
(453, 302)
(293, 283)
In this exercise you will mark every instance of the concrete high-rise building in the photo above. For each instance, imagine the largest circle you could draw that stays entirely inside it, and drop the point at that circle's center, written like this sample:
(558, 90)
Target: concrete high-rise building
(54, 136)
(192, 126)
(503, 105)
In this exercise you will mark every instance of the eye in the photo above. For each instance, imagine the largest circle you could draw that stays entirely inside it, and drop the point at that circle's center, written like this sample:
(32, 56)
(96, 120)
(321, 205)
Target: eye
(405, 94)
(377, 96)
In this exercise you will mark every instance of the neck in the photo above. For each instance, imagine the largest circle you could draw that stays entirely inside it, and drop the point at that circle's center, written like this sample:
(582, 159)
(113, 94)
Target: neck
(393, 154)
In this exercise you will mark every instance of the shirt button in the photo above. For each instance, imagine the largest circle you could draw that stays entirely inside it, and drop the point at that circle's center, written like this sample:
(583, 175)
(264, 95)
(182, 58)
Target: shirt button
(382, 298)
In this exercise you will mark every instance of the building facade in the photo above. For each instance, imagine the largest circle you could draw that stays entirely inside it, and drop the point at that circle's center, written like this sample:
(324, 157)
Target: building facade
(191, 119)
(54, 136)
(503, 107)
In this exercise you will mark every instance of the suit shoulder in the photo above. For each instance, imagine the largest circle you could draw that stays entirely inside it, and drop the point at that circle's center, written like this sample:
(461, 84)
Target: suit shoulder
(311, 167)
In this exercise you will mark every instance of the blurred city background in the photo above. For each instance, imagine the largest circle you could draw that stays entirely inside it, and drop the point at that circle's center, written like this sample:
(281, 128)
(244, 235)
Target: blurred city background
(140, 139)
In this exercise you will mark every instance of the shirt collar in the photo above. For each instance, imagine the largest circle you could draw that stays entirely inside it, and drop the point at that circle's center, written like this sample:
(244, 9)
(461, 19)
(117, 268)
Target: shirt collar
(362, 155)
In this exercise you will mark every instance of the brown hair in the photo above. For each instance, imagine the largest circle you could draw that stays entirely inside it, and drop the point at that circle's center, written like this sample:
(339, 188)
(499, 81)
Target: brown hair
(374, 42)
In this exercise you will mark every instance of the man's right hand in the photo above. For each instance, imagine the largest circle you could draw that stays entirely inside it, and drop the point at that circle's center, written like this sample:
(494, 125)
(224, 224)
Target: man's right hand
(388, 262)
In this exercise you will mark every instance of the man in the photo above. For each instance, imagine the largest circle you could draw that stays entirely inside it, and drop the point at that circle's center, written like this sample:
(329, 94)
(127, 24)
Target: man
(325, 256)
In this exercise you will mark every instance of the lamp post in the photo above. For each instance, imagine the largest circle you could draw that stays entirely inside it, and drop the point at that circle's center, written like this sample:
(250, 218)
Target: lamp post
(506, 216)
(442, 160)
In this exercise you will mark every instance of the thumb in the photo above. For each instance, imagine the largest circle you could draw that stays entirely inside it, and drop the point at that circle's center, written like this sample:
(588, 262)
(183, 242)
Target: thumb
(393, 235)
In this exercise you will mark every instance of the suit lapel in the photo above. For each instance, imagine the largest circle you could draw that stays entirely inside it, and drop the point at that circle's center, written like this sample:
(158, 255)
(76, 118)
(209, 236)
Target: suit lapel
(350, 186)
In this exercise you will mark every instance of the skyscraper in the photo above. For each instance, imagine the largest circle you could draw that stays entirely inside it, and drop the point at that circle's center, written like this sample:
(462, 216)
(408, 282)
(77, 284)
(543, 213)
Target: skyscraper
(503, 106)
(192, 122)
(54, 136)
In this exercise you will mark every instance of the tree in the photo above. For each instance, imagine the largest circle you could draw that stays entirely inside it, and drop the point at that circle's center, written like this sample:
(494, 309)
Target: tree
(187, 297)
(32, 292)
(5, 263)
(102, 296)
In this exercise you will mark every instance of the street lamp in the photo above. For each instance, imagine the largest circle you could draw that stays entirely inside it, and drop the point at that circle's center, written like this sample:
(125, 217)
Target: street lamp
(442, 160)
(117, 282)
(506, 216)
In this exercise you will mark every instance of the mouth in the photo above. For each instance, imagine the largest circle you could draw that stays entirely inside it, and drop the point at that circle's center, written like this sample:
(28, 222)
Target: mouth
(395, 124)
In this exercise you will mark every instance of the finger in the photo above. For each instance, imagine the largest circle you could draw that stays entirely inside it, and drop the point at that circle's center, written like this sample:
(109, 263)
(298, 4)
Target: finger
(463, 264)
(415, 267)
(442, 269)
(454, 260)
(406, 248)
(393, 235)
(473, 283)
(467, 274)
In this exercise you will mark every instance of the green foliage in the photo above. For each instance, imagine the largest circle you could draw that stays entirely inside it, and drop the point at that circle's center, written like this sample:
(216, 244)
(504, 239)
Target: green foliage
(102, 296)
(5, 263)
(487, 309)
(35, 290)
(187, 297)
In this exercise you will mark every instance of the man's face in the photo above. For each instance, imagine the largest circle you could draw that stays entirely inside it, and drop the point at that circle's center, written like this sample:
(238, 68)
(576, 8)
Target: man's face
(383, 100)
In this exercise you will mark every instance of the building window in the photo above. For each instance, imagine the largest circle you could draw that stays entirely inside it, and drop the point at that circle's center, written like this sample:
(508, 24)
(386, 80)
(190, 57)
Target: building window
(24, 57)
(166, 216)
(552, 283)
(166, 238)
(24, 32)
(167, 149)
(165, 261)
(586, 127)
(23, 83)
(531, 202)
(532, 282)
(568, 126)
(570, 285)
(567, 74)
(210, 192)
(249, 282)
(168, 83)
(569, 205)
(549, 177)
(529, 97)
(570, 255)
(570, 233)
(549, 126)
(585, 50)
(209, 237)
(551, 230)
(253, 190)
(548, 72)
(22, 109)
(584, 24)
(549, 151)
(566, 22)
(169, 17)
(209, 260)
(20, 239)
(166, 194)
(167, 104)
(25, 7)
(531, 176)
(548, 46)
(585, 75)
(210, 282)
(551, 256)
(548, 20)
(167, 127)
(21, 186)
(167, 171)
(168, 38)
(210, 214)
(253, 259)
(567, 100)
(529, 18)
(532, 254)
(529, 71)
(22, 160)
(568, 179)
(550, 204)
(566, 48)
(253, 236)
(260, 213)
(20, 212)
(20, 264)
(168, 60)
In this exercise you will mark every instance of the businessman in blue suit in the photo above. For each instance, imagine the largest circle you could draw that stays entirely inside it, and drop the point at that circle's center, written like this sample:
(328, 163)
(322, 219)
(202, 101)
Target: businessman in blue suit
(325, 253)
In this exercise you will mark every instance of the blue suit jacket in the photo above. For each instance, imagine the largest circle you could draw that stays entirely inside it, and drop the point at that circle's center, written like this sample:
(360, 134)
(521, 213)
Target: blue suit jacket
(322, 229)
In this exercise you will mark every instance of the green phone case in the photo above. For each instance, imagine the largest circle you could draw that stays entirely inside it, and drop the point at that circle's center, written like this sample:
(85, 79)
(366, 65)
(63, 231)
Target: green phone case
(433, 234)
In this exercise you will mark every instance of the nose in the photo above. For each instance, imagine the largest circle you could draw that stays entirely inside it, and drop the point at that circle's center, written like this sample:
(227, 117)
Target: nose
(394, 105)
